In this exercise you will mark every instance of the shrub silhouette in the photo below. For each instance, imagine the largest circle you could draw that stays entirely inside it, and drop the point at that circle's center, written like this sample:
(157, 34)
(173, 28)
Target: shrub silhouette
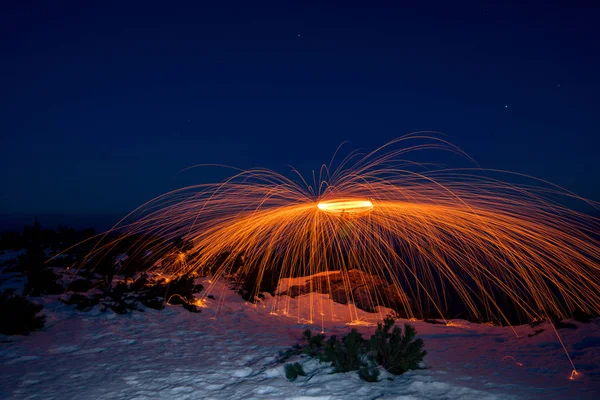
(292, 371)
(182, 289)
(314, 343)
(582, 316)
(368, 371)
(392, 349)
(41, 280)
(80, 285)
(18, 316)
(395, 351)
(157, 303)
(140, 283)
(82, 303)
(346, 354)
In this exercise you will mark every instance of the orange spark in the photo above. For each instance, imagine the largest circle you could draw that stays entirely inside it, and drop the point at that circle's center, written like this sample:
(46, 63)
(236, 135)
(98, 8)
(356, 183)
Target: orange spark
(519, 364)
(574, 374)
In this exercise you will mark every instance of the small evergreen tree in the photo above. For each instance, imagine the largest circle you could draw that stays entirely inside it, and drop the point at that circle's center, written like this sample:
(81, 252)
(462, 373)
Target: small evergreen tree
(395, 351)
(292, 371)
(345, 355)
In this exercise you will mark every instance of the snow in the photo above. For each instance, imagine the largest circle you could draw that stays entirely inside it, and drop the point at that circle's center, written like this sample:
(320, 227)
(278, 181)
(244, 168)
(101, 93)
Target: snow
(229, 350)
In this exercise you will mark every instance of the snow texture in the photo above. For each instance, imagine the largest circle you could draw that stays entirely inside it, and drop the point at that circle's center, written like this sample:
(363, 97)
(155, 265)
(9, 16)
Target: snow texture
(229, 350)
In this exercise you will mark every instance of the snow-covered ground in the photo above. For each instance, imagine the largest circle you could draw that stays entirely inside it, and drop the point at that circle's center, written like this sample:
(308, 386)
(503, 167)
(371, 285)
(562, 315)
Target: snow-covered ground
(229, 350)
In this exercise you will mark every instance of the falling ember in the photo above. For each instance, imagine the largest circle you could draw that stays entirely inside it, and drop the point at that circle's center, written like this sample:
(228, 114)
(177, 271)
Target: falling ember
(350, 207)
(519, 364)
(574, 374)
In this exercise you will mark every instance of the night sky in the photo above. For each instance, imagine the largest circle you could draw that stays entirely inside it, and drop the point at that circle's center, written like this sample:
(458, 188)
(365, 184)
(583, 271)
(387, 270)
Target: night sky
(102, 106)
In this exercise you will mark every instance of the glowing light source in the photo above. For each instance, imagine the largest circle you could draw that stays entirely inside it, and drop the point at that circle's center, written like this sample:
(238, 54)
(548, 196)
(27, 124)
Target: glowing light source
(347, 206)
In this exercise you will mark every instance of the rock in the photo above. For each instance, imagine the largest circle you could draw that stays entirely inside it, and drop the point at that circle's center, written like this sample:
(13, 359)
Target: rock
(364, 298)
(295, 291)
(339, 295)
(368, 291)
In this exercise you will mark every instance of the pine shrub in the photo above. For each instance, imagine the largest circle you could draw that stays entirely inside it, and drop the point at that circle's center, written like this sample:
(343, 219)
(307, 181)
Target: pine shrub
(292, 371)
(314, 343)
(156, 303)
(80, 285)
(183, 286)
(18, 316)
(118, 291)
(82, 303)
(140, 283)
(312, 347)
(537, 332)
(255, 281)
(559, 323)
(390, 348)
(582, 316)
(41, 281)
(564, 325)
(119, 307)
(368, 370)
(346, 354)
(395, 351)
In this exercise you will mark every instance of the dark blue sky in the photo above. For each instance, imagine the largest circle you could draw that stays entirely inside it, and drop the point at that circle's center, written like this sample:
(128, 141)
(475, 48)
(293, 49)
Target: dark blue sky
(102, 106)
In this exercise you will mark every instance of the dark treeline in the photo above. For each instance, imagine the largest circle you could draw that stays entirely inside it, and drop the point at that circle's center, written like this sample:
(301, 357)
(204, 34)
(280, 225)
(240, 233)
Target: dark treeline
(253, 274)
(58, 262)
(38, 236)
